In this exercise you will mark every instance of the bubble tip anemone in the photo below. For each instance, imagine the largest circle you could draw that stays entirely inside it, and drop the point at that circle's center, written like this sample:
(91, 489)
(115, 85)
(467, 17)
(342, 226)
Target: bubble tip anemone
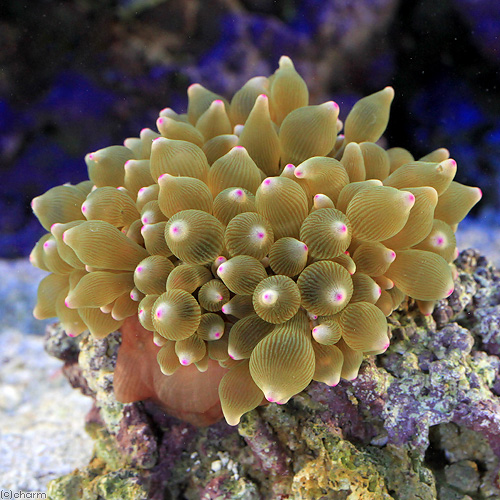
(235, 266)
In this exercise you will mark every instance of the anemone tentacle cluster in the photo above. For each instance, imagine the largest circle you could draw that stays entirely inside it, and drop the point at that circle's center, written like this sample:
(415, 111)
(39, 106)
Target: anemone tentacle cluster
(254, 234)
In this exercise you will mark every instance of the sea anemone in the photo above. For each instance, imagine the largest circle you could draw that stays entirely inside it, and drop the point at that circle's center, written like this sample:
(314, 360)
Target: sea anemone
(258, 247)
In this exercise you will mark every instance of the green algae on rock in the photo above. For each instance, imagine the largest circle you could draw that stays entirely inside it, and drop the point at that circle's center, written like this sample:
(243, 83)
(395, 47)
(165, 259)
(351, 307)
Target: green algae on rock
(260, 190)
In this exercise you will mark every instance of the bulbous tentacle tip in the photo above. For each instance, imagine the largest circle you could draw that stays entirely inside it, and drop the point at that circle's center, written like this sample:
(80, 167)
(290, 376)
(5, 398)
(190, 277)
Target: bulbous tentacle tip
(73, 333)
(157, 342)
(377, 351)
(447, 166)
(271, 396)
(331, 105)
(333, 384)
(390, 256)
(220, 260)
(159, 142)
(232, 421)
(443, 151)
(409, 198)
(194, 87)
(164, 178)
(389, 91)
(285, 62)
(450, 291)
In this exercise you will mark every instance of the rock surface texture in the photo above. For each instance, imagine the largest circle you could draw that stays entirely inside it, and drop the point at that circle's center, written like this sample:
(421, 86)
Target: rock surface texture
(421, 421)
